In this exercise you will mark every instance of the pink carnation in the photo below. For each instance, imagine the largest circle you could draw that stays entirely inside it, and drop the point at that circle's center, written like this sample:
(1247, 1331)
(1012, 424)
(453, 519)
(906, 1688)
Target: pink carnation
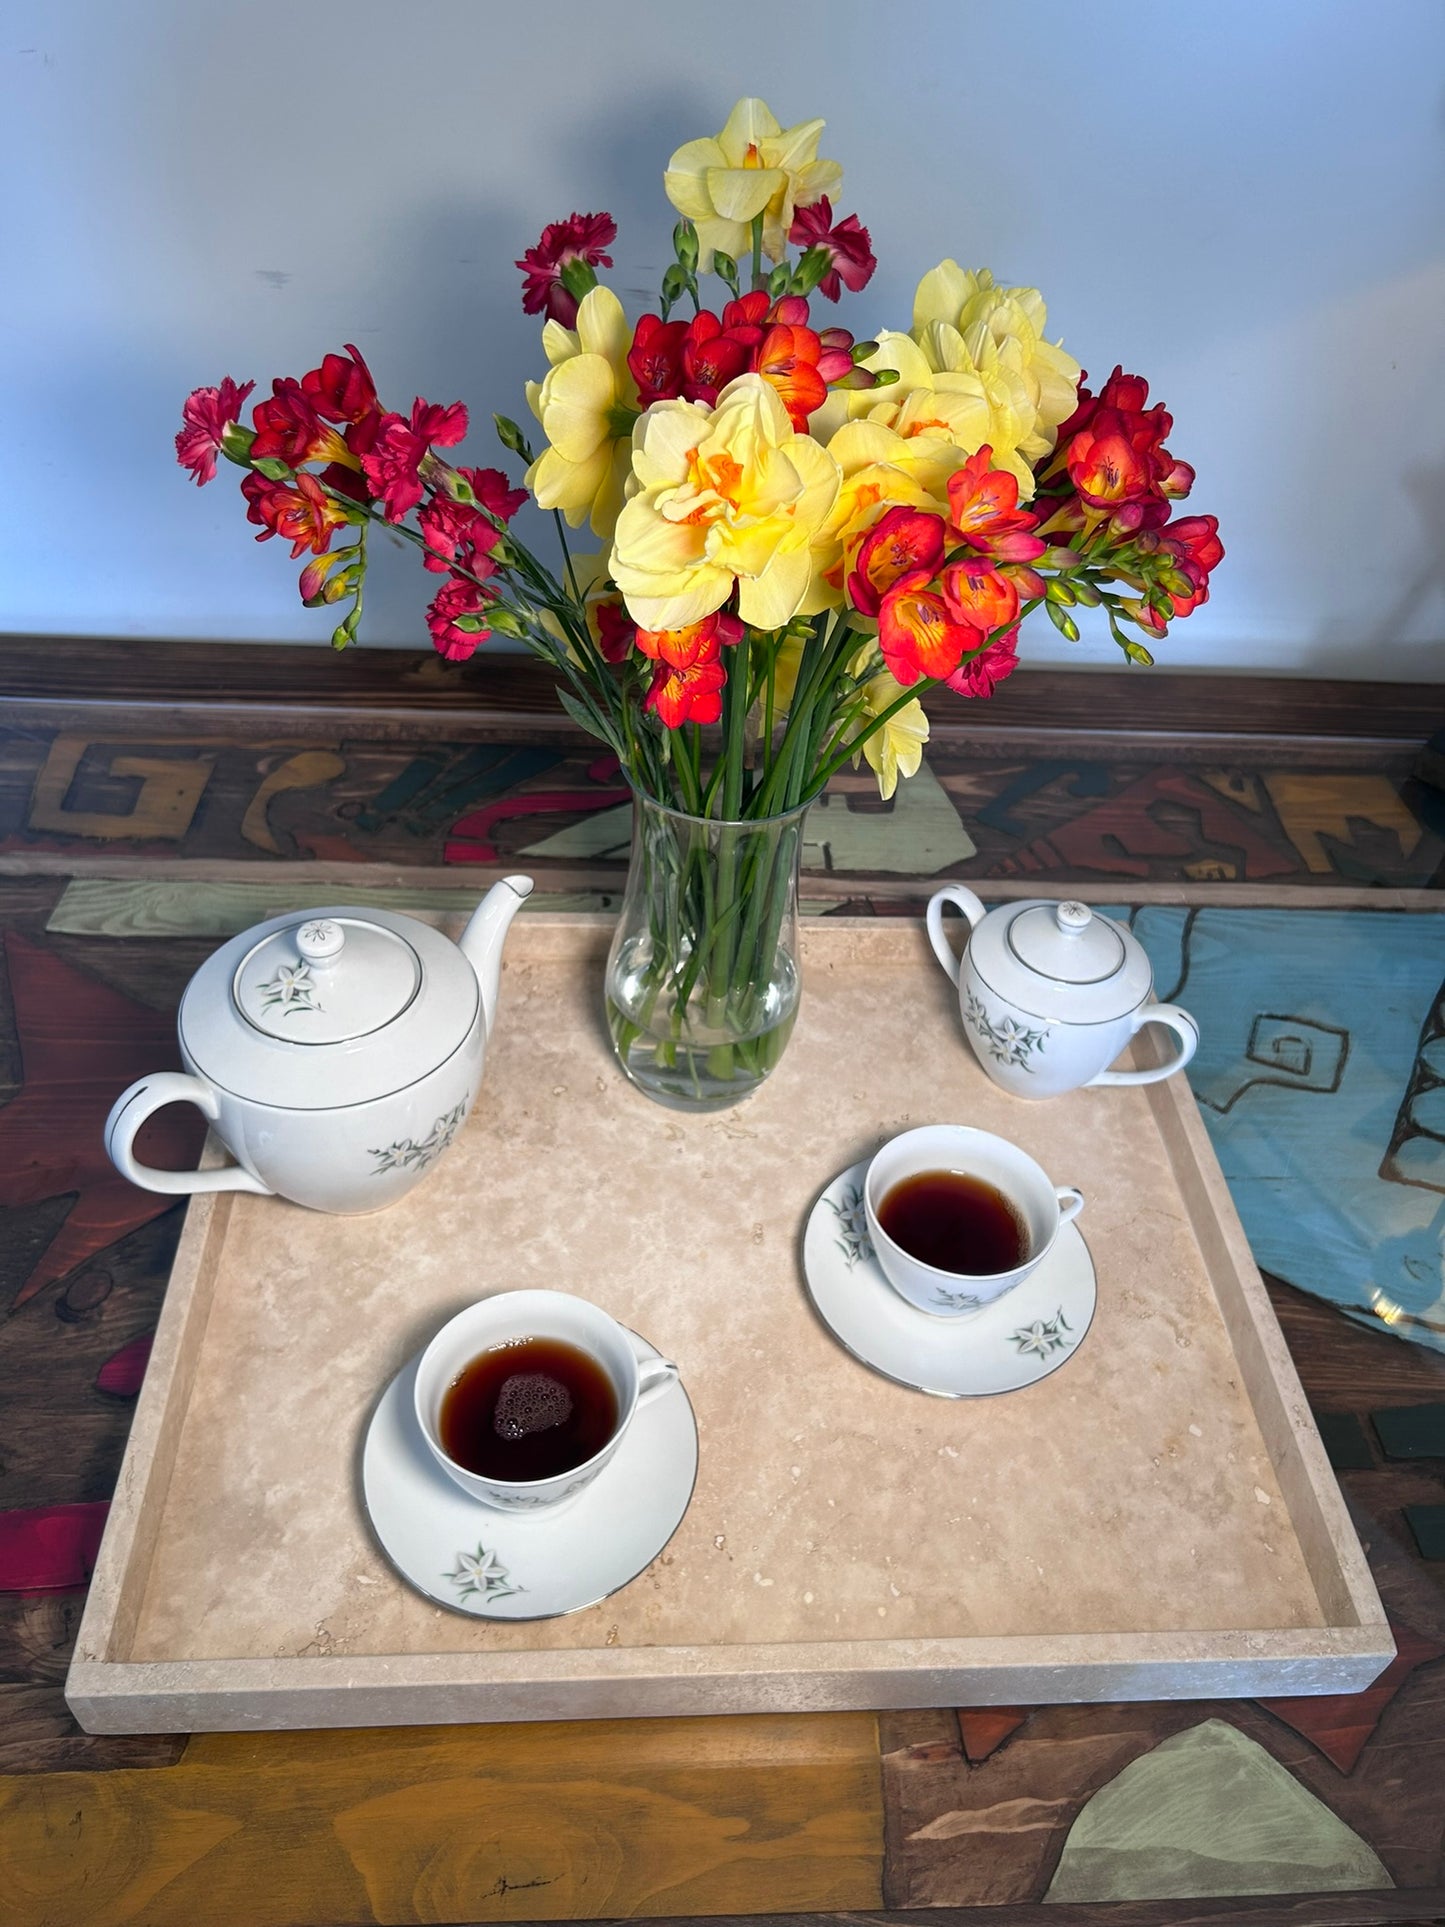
(849, 244)
(581, 237)
(207, 414)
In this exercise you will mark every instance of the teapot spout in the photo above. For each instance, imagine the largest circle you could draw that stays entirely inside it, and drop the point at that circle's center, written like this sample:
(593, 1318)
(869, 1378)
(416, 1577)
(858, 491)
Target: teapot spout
(482, 940)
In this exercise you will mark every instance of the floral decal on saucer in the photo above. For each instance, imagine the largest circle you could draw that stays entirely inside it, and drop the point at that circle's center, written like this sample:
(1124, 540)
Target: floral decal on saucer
(1007, 1041)
(1043, 1336)
(481, 1575)
(956, 1300)
(420, 1152)
(292, 988)
(852, 1240)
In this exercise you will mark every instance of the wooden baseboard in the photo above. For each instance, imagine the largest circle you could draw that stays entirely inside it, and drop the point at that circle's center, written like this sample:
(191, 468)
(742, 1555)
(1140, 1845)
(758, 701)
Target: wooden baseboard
(406, 693)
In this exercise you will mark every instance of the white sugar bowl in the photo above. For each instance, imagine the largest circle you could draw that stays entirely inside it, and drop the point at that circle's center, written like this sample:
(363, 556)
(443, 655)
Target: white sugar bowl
(1050, 993)
(337, 1053)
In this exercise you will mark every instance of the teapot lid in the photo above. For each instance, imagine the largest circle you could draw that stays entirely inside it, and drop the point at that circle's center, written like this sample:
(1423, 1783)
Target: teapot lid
(1062, 960)
(325, 1008)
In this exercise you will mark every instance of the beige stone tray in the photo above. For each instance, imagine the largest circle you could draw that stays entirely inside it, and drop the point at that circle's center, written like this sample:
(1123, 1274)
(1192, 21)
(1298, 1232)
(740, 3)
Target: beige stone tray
(1155, 1520)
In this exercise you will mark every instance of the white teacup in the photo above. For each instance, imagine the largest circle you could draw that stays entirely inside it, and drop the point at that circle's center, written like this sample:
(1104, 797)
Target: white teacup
(1041, 1205)
(637, 1377)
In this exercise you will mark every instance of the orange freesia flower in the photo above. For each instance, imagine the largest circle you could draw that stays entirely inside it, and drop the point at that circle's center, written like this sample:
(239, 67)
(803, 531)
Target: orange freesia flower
(978, 593)
(917, 633)
(904, 542)
(986, 513)
(697, 643)
(788, 359)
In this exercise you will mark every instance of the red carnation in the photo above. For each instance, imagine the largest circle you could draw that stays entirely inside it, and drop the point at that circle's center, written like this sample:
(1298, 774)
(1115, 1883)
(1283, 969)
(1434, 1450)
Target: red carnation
(393, 463)
(456, 533)
(207, 414)
(581, 237)
(849, 246)
(456, 598)
(494, 492)
(981, 674)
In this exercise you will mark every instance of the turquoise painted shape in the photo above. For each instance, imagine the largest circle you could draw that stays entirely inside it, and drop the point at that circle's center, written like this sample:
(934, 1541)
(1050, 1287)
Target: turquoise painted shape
(1208, 1812)
(1321, 1077)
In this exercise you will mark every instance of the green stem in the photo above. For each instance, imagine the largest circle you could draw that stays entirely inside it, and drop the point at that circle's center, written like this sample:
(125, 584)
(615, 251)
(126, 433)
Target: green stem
(757, 251)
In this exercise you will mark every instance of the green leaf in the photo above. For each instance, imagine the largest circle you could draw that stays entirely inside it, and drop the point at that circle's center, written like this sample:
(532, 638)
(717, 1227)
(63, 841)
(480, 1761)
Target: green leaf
(585, 719)
(273, 468)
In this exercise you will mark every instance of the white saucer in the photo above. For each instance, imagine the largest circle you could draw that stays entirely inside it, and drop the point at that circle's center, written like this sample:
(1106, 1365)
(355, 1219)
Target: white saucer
(474, 1559)
(1022, 1337)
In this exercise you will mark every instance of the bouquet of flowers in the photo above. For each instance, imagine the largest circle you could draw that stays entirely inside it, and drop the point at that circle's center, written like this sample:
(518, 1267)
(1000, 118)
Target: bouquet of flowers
(799, 535)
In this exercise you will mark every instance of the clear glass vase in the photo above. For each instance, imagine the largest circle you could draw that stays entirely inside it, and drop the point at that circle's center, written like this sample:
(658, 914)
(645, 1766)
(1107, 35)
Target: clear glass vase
(702, 978)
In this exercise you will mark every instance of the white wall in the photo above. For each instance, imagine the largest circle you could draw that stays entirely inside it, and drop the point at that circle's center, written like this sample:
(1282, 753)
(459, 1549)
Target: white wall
(1240, 200)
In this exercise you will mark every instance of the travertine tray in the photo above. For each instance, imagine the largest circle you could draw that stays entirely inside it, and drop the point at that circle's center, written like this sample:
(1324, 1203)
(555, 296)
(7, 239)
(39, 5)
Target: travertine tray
(1155, 1520)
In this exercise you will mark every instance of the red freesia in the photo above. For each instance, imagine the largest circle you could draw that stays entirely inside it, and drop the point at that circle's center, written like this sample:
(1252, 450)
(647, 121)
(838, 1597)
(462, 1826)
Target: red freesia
(300, 511)
(341, 389)
(1194, 543)
(207, 414)
(904, 542)
(917, 634)
(655, 359)
(982, 673)
(691, 695)
(393, 464)
(581, 237)
(849, 246)
(746, 318)
(978, 593)
(613, 628)
(984, 504)
(697, 643)
(288, 429)
(711, 358)
(454, 599)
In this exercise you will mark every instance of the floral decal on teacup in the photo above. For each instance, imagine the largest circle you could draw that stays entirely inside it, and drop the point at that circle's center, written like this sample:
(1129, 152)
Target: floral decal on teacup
(852, 1240)
(291, 989)
(1043, 1336)
(1007, 1041)
(481, 1575)
(407, 1152)
(956, 1300)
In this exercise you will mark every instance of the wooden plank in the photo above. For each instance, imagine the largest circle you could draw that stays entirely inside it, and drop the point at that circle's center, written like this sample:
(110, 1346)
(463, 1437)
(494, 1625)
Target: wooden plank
(456, 1823)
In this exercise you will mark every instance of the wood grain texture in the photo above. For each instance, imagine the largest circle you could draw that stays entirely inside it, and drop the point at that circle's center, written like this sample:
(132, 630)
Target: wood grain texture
(456, 1824)
(84, 673)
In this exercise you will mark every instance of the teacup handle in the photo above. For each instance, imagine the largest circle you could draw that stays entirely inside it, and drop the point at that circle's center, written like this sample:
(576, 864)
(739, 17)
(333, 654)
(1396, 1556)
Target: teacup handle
(1184, 1028)
(133, 1107)
(654, 1376)
(1071, 1202)
(960, 894)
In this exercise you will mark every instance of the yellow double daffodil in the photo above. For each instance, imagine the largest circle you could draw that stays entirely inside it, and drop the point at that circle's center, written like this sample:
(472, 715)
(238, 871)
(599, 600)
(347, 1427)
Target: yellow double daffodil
(721, 496)
(753, 167)
(586, 406)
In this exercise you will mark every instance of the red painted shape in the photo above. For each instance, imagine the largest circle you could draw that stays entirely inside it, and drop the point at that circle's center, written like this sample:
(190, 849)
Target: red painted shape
(81, 1043)
(1340, 1724)
(470, 837)
(983, 1729)
(122, 1372)
(1126, 833)
(50, 1548)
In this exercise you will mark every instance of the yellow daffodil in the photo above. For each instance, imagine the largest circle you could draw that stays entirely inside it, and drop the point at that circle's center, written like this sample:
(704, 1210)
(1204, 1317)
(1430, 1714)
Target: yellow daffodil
(965, 325)
(586, 406)
(897, 748)
(753, 167)
(723, 496)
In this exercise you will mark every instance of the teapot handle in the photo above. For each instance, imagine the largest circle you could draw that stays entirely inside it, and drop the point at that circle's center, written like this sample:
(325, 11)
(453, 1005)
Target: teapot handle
(133, 1107)
(960, 894)
(1184, 1028)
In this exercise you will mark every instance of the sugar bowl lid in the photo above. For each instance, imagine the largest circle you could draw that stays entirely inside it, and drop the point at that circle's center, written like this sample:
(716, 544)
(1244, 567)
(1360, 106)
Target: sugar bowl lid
(326, 1008)
(1062, 960)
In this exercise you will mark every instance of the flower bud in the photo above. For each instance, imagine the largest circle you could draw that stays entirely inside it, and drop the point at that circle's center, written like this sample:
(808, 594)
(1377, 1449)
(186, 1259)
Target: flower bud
(1136, 652)
(1065, 624)
(510, 436)
(578, 276)
(684, 245)
(885, 377)
(861, 350)
(236, 443)
(811, 269)
(273, 468)
(1060, 592)
(778, 281)
(1086, 593)
(726, 270)
(503, 622)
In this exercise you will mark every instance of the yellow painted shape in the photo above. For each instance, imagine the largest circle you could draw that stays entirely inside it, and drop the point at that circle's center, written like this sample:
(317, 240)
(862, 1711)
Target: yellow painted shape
(1311, 806)
(307, 770)
(575, 1820)
(169, 793)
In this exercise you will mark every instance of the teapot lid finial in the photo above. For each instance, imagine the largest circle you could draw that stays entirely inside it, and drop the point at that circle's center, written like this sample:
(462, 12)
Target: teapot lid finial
(1073, 917)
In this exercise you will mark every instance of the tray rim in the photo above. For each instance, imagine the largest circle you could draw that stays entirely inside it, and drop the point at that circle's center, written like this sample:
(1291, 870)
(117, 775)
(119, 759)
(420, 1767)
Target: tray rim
(111, 1694)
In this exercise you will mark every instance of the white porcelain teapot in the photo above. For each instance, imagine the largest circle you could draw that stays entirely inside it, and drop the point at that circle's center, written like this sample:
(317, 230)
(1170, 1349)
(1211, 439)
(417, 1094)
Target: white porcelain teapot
(337, 1053)
(1050, 993)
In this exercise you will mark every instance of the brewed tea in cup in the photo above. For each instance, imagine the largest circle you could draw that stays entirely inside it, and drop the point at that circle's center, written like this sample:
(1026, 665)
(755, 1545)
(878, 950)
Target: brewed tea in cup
(959, 1216)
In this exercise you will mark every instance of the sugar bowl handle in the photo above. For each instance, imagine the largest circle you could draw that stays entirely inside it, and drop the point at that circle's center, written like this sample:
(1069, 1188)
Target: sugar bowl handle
(1184, 1028)
(130, 1111)
(960, 894)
